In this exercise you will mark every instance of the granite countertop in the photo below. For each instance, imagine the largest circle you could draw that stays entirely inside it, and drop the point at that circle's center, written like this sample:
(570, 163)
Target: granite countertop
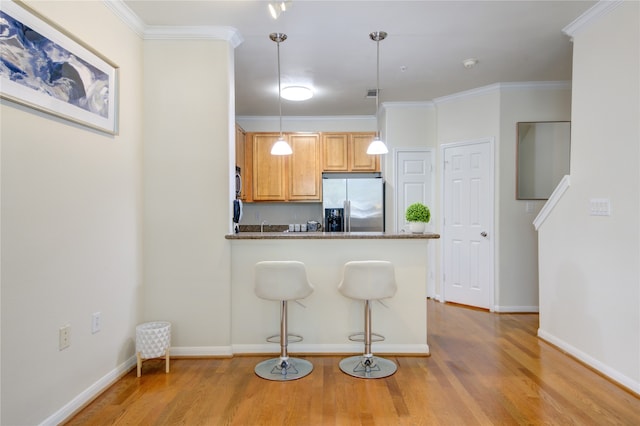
(329, 236)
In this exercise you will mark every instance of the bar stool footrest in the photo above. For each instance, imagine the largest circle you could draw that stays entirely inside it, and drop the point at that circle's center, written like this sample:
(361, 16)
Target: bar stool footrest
(291, 338)
(359, 337)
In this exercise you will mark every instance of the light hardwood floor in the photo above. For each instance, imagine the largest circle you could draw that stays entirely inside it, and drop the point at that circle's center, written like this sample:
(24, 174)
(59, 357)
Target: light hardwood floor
(484, 369)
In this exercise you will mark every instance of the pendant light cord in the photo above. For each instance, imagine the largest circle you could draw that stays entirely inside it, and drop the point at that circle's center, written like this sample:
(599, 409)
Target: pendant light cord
(279, 89)
(377, 86)
(377, 36)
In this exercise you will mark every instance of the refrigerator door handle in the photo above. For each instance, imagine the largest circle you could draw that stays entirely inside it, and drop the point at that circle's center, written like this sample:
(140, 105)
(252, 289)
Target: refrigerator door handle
(347, 216)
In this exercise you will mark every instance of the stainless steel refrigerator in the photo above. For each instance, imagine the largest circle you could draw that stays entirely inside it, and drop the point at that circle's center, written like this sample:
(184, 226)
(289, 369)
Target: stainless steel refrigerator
(353, 202)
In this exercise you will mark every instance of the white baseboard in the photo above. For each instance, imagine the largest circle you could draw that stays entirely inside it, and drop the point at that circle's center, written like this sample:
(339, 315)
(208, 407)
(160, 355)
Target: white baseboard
(90, 393)
(516, 309)
(202, 351)
(347, 348)
(611, 373)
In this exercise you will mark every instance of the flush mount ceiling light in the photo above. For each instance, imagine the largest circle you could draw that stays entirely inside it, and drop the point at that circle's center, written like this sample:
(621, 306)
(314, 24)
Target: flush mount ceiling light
(277, 7)
(281, 147)
(297, 93)
(470, 63)
(376, 146)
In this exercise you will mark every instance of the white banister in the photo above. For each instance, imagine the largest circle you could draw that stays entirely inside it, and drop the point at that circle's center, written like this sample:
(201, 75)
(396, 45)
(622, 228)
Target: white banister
(554, 199)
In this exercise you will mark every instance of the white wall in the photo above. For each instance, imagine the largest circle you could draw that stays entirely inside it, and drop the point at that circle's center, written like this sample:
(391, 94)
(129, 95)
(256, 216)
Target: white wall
(406, 125)
(589, 265)
(188, 118)
(71, 233)
(464, 117)
(308, 124)
(518, 249)
(493, 112)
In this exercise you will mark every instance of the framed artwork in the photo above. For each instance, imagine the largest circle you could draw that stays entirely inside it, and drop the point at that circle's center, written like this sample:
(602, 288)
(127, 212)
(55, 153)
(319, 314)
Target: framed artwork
(44, 67)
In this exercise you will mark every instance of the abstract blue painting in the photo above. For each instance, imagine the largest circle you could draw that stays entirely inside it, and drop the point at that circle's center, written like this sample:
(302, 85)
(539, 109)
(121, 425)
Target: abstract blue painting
(48, 70)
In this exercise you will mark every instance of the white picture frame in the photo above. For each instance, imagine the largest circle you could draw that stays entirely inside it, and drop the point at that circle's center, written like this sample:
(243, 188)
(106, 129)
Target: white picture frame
(46, 68)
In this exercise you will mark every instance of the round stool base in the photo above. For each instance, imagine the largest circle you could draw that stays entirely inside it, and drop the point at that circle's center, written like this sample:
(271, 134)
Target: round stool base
(271, 369)
(379, 368)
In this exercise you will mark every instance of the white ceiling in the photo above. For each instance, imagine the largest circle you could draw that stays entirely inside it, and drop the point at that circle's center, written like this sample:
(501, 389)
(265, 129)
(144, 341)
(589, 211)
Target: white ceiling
(328, 46)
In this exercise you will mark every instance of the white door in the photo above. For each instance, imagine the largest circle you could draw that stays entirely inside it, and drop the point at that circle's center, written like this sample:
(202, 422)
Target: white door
(414, 170)
(468, 196)
(414, 182)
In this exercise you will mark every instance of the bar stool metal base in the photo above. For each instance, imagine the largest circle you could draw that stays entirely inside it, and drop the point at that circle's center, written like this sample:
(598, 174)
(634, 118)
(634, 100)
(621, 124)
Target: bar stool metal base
(280, 369)
(368, 367)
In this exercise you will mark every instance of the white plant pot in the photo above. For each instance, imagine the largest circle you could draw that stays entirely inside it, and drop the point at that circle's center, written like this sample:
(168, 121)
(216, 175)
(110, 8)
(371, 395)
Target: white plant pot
(417, 227)
(153, 339)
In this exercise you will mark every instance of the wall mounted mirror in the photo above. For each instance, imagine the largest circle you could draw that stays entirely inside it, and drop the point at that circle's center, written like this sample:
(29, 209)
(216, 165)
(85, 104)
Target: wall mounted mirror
(542, 157)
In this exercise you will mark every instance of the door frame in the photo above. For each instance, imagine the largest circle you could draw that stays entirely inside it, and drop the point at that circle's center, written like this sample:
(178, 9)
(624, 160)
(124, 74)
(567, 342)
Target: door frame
(492, 213)
(431, 252)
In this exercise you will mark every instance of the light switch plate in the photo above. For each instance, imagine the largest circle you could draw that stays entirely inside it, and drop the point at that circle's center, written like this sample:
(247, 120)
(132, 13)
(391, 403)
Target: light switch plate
(599, 207)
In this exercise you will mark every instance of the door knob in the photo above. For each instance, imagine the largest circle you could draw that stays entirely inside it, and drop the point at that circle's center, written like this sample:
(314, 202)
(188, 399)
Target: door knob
(484, 234)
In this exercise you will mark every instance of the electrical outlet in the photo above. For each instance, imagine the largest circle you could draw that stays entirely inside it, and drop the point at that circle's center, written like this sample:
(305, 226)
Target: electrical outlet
(64, 337)
(96, 322)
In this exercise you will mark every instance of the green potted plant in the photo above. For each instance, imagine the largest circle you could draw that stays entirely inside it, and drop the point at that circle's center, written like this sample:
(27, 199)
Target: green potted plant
(418, 215)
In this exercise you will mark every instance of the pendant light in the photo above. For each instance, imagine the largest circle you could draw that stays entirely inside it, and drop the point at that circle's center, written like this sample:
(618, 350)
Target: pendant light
(281, 147)
(376, 146)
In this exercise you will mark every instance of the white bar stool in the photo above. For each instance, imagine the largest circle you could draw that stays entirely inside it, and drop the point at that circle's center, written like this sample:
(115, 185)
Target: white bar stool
(282, 281)
(368, 280)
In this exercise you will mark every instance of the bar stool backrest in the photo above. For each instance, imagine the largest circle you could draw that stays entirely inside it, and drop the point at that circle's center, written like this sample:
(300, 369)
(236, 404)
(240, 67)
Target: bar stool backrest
(368, 280)
(282, 280)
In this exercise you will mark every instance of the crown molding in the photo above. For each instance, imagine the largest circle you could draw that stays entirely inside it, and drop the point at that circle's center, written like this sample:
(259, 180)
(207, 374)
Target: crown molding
(157, 32)
(292, 118)
(416, 104)
(126, 15)
(587, 18)
(492, 88)
(230, 34)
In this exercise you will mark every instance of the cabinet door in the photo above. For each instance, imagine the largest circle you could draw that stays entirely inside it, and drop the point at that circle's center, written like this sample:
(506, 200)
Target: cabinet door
(268, 170)
(359, 160)
(334, 152)
(304, 167)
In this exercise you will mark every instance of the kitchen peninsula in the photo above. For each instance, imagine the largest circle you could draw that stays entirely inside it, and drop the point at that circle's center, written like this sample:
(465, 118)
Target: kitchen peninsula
(328, 318)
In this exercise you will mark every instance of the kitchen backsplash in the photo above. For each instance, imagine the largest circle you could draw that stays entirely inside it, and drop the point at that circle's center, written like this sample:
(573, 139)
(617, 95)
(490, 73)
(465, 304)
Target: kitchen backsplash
(275, 214)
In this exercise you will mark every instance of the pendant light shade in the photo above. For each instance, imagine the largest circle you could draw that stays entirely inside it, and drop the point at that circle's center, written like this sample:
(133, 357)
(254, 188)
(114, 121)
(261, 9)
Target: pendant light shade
(377, 147)
(281, 147)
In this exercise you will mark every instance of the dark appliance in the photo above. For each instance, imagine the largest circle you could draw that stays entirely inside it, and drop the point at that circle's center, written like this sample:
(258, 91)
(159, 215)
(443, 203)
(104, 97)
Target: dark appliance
(238, 182)
(334, 220)
(237, 215)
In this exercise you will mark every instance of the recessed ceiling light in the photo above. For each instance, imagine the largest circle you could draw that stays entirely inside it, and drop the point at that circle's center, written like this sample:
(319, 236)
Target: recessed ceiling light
(470, 63)
(296, 93)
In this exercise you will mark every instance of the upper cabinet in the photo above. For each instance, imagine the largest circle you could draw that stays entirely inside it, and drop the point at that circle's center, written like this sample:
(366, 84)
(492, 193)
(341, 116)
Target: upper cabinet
(269, 174)
(304, 167)
(298, 177)
(347, 152)
(293, 177)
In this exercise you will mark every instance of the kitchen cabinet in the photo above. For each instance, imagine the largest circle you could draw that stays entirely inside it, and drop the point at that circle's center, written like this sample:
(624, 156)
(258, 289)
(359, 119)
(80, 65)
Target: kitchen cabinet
(269, 173)
(304, 167)
(294, 177)
(347, 152)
